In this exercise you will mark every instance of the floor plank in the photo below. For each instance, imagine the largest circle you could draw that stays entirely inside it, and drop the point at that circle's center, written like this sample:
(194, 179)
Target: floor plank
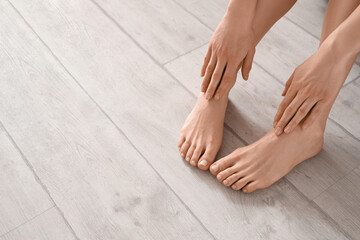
(21, 196)
(280, 51)
(104, 187)
(250, 115)
(346, 110)
(49, 225)
(341, 202)
(150, 106)
(163, 28)
(309, 15)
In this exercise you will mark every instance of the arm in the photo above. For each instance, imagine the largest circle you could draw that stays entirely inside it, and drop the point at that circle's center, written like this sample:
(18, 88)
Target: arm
(315, 84)
(233, 44)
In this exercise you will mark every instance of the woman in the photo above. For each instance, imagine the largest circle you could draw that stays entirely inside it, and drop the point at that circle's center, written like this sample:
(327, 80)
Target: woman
(309, 94)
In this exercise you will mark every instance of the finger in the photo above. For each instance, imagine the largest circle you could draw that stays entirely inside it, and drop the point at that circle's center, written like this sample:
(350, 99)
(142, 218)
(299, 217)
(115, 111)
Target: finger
(300, 115)
(288, 83)
(209, 71)
(246, 67)
(206, 61)
(227, 81)
(313, 114)
(283, 105)
(215, 79)
(288, 114)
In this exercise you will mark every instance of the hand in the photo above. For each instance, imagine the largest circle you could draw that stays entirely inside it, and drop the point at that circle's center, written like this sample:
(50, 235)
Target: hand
(310, 89)
(231, 47)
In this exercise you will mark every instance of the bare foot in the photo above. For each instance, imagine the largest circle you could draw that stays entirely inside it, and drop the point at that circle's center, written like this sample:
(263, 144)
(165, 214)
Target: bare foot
(201, 135)
(264, 162)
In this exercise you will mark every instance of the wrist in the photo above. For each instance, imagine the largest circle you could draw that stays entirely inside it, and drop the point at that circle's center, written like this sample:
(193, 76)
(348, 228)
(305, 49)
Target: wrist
(336, 47)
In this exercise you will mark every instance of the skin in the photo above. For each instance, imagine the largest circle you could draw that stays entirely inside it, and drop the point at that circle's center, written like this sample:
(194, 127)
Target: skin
(317, 82)
(201, 135)
(225, 55)
(264, 162)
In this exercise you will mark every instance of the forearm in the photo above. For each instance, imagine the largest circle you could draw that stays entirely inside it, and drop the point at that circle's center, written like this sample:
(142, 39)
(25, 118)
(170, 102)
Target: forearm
(267, 14)
(241, 12)
(259, 15)
(344, 41)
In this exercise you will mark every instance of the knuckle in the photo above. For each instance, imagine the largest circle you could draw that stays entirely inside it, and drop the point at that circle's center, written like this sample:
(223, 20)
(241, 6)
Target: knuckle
(289, 110)
(302, 111)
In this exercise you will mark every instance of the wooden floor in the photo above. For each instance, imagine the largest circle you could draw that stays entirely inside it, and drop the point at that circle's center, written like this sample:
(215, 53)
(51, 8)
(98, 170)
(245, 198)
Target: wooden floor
(93, 94)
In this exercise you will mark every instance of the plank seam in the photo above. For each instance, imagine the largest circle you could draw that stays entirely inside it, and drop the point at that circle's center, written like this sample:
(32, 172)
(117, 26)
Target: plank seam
(29, 220)
(106, 115)
(183, 54)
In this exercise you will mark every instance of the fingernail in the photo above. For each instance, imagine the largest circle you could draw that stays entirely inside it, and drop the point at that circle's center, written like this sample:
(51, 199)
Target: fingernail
(203, 163)
(287, 130)
(275, 123)
(215, 168)
(278, 131)
(217, 97)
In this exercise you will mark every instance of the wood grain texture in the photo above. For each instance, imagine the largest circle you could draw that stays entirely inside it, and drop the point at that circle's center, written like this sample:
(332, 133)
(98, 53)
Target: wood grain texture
(309, 15)
(346, 110)
(21, 196)
(150, 107)
(161, 27)
(104, 187)
(282, 49)
(341, 202)
(250, 114)
(49, 225)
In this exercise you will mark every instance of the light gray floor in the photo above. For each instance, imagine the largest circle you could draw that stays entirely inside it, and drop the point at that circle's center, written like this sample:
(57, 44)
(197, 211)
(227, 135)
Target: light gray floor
(93, 94)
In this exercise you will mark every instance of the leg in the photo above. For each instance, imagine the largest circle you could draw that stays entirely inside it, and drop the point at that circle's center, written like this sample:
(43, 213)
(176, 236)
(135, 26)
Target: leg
(264, 162)
(201, 135)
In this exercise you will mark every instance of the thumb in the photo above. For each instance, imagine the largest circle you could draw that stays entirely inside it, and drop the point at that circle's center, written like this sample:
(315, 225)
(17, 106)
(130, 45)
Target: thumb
(247, 64)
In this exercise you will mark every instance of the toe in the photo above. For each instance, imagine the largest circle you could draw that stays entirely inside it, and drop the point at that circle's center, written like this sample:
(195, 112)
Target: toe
(241, 183)
(221, 165)
(207, 158)
(195, 157)
(226, 173)
(181, 141)
(233, 178)
(190, 153)
(184, 149)
(250, 187)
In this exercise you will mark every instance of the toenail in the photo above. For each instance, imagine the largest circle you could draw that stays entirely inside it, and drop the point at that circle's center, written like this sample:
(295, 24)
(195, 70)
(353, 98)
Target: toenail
(192, 162)
(187, 159)
(225, 182)
(219, 177)
(215, 168)
(203, 163)
(233, 187)
(245, 190)
(182, 154)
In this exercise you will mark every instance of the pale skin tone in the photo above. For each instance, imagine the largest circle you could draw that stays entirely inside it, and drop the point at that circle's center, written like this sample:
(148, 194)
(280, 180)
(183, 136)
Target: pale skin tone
(264, 162)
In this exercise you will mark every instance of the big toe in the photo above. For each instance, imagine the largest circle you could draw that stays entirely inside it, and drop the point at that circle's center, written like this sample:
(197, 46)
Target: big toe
(207, 158)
